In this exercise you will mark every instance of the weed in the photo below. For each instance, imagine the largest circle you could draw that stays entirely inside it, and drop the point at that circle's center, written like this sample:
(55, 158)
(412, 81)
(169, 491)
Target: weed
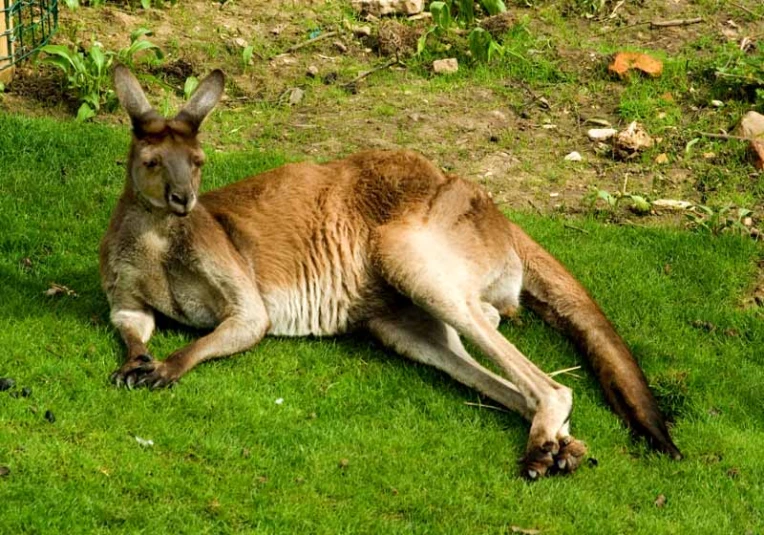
(638, 203)
(741, 71)
(715, 221)
(453, 18)
(88, 73)
(190, 86)
(246, 56)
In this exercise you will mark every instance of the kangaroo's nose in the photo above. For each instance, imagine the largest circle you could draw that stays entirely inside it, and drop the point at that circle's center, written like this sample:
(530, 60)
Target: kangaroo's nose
(180, 203)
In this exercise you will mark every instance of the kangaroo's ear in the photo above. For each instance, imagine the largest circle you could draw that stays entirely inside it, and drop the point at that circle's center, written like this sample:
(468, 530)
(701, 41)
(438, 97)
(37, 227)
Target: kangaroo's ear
(131, 97)
(205, 97)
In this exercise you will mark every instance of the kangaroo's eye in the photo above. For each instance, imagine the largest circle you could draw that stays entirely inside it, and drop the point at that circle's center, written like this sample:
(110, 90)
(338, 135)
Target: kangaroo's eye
(151, 163)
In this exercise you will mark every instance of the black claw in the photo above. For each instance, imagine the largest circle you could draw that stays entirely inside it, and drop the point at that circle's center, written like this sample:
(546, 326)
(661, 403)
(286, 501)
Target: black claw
(144, 358)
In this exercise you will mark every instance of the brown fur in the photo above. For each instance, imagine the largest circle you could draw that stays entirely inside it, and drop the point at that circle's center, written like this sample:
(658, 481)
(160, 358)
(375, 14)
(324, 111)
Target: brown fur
(379, 241)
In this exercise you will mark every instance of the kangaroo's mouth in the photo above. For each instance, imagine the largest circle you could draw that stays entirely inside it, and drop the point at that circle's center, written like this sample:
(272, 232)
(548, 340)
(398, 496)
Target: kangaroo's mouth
(181, 204)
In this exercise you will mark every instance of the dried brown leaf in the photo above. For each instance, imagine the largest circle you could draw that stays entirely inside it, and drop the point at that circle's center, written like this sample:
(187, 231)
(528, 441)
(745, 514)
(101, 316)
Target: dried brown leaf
(59, 289)
(626, 61)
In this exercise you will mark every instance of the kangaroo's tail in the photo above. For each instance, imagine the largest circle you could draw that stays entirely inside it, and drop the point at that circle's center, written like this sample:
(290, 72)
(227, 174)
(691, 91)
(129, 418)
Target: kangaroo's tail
(551, 291)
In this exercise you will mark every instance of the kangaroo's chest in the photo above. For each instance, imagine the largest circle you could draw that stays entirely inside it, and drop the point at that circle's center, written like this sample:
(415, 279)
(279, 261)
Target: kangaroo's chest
(172, 285)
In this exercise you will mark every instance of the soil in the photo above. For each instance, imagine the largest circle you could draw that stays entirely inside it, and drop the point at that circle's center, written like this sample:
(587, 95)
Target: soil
(509, 137)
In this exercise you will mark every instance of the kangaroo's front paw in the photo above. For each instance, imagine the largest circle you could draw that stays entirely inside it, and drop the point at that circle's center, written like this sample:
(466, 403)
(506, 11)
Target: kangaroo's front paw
(145, 371)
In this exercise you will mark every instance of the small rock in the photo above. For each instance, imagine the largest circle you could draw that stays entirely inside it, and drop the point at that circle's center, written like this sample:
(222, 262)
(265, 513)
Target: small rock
(574, 156)
(524, 531)
(6, 383)
(339, 45)
(362, 31)
(752, 126)
(241, 43)
(312, 71)
(662, 158)
(747, 222)
(672, 204)
(388, 7)
(632, 140)
(4, 471)
(660, 501)
(144, 442)
(445, 66)
(415, 117)
(295, 96)
(50, 416)
(709, 155)
(279, 401)
(601, 134)
(499, 116)
(717, 103)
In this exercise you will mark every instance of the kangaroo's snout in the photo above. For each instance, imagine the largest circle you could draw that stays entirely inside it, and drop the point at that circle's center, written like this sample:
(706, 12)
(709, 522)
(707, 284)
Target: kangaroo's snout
(181, 203)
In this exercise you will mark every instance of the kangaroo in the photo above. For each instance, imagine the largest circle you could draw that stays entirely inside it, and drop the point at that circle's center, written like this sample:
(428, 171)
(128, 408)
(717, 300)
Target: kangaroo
(381, 241)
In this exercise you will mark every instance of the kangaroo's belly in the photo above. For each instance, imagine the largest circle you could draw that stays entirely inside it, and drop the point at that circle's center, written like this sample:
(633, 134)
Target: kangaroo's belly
(326, 294)
(314, 309)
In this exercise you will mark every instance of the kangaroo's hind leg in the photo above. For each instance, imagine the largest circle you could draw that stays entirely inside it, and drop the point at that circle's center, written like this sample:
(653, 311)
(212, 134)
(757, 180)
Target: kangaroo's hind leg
(414, 333)
(445, 271)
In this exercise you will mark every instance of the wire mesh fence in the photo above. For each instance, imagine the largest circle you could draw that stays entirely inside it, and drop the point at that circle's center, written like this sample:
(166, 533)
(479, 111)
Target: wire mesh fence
(25, 26)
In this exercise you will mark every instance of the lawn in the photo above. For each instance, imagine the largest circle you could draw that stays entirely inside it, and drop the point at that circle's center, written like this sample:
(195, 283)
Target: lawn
(362, 441)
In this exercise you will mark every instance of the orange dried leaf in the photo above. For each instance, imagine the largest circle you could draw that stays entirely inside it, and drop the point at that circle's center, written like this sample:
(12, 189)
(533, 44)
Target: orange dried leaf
(626, 61)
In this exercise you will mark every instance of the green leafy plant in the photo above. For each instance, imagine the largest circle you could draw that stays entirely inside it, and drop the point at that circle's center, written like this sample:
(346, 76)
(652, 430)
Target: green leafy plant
(246, 56)
(86, 75)
(454, 18)
(719, 220)
(190, 86)
(137, 45)
(741, 71)
(637, 203)
(88, 72)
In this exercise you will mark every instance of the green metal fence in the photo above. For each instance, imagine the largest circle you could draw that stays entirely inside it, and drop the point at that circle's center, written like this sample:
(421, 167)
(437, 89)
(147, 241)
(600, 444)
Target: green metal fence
(29, 24)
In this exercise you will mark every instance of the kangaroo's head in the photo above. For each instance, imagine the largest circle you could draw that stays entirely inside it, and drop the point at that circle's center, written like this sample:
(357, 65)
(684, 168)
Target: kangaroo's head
(165, 156)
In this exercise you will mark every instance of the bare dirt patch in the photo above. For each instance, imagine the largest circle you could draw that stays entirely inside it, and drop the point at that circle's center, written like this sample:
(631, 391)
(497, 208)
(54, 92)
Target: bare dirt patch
(510, 136)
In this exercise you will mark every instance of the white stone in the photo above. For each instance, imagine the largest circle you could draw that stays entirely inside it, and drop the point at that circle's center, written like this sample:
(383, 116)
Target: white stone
(388, 7)
(445, 66)
(574, 157)
(601, 134)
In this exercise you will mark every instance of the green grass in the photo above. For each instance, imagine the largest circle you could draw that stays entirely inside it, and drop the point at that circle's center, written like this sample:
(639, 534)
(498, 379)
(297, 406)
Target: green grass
(227, 458)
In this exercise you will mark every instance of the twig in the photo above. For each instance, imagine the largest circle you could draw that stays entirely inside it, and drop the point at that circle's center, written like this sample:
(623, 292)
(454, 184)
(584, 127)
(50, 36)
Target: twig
(749, 11)
(480, 405)
(573, 227)
(657, 24)
(616, 8)
(675, 22)
(533, 205)
(372, 71)
(49, 350)
(726, 136)
(298, 46)
(565, 370)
